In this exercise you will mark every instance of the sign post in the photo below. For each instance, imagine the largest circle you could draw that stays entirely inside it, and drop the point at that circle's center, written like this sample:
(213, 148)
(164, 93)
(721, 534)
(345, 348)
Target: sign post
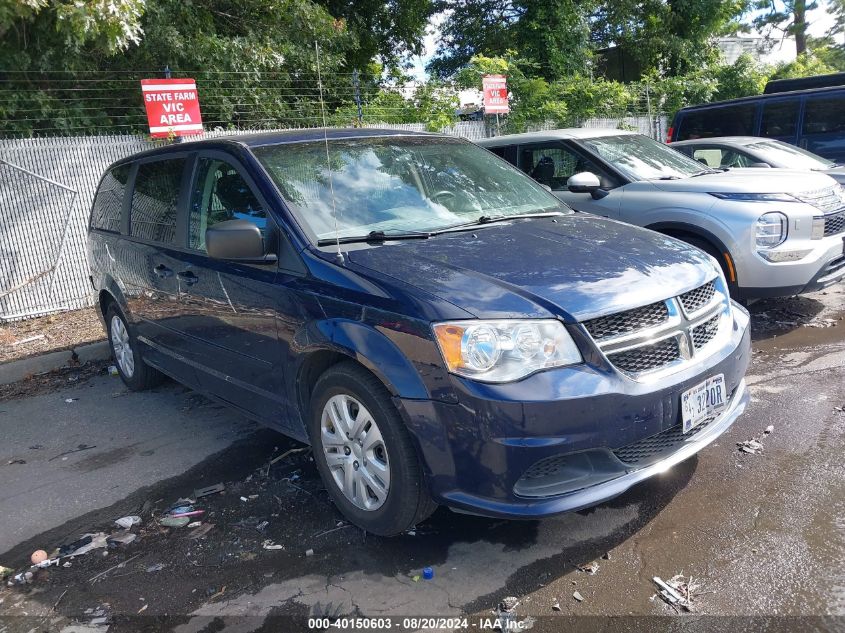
(173, 107)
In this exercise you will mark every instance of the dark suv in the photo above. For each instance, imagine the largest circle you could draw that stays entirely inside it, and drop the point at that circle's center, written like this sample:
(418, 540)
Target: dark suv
(436, 325)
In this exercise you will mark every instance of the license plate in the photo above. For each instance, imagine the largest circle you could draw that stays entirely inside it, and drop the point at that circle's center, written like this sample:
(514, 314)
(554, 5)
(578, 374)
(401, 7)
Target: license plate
(702, 401)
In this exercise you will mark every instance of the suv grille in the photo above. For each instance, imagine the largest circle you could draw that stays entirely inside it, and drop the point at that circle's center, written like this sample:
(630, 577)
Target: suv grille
(647, 357)
(828, 200)
(706, 332)
(627, 322)
(698, 298)
(834, 223)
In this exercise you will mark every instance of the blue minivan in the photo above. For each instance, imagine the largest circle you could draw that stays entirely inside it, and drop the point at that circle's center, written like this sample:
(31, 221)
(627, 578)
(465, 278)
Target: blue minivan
(811, 119)
(435, 324)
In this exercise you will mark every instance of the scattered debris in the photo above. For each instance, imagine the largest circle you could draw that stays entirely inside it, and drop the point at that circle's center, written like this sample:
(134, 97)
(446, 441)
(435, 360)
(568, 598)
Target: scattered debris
(750, 446)
(556, 606)
(29, 339)
(195, 524)
(123, 538)
(578, 596)
(769, 429)
(70, 400)
(89, 542)
(606, 556)
(268, 544)
(678, 591)
(262, 526)
(120, 565)
(428, 573)
(590, 568)
(5, 571)
(128, 522)
(16, 461)
(509, 603)
(839, 409)
(81, 447)
(309, 552)
(208, 490)
(201, 531)
(39, 556)
(175, 522)
(113, 371)
(154, 568)
(290, 452)
(142, 609)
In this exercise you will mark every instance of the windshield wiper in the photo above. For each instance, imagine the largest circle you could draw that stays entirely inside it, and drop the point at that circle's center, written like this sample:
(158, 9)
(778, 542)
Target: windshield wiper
(374, 236)
(704, 172)
(489, 219)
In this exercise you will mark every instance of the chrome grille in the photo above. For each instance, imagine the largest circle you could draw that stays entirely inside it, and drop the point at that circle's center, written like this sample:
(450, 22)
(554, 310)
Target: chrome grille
(696, 299)
(706, 332)
(828, 200)
(661, 335)
(834, 223)
(647, 357)
(628, 321)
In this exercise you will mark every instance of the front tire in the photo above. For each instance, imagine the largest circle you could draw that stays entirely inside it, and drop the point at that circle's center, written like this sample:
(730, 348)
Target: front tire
(126, 352)
(364, 452)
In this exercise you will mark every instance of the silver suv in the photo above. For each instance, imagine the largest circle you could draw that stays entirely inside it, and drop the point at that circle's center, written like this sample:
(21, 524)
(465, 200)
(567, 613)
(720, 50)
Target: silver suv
(774, 232)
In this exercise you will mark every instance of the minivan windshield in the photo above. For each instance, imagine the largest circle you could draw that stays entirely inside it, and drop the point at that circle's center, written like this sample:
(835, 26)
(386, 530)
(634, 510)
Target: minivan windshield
(398, 184)
(641, 158)
(790, 156)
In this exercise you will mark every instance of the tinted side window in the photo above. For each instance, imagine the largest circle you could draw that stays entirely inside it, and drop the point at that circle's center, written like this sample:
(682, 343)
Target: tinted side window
(553, 165)
(734, 120)
(508, 152)
(220, 194)
(722, 157)
(824, 116)
(780, 118)
(108, 203)
(155, 200)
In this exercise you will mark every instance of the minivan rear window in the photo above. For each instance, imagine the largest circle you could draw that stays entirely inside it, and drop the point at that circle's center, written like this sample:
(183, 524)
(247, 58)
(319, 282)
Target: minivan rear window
(108, 203)
(155, 199)
(732, 120)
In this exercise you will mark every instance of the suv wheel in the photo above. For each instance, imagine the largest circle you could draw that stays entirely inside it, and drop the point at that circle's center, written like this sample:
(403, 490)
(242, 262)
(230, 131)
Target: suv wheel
(134, 372)
(364, 453)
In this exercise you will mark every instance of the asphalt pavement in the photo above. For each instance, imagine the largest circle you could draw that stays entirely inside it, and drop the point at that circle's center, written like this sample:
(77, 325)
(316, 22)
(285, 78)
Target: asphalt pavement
(760, 534)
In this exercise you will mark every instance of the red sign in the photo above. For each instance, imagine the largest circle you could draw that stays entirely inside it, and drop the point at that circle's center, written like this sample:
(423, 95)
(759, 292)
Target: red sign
(172, 107)
(495, 94)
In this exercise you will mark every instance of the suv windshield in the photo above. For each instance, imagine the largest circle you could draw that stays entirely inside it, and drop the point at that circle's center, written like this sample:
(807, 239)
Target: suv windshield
(398, 184)
(641, 158)
(790, 156)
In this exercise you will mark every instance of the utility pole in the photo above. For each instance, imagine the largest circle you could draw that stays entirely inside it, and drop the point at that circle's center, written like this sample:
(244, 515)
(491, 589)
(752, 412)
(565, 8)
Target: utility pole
(356, 84)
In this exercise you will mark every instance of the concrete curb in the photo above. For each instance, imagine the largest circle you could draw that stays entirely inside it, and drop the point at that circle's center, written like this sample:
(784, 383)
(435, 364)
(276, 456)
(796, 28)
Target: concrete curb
(19, 369)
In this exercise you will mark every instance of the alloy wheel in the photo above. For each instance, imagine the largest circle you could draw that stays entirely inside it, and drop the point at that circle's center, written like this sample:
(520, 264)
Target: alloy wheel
(123, 354)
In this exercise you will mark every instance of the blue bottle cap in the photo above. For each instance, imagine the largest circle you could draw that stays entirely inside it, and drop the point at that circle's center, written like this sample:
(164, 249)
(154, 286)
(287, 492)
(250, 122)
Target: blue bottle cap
(428, 573)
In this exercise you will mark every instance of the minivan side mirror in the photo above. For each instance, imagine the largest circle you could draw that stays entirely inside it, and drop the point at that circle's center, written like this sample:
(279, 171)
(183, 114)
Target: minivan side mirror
(586, 182)
(237, 240)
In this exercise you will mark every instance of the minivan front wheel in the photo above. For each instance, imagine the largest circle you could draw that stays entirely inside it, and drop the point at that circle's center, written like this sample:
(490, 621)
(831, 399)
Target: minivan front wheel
(364, 453)
(134, 372)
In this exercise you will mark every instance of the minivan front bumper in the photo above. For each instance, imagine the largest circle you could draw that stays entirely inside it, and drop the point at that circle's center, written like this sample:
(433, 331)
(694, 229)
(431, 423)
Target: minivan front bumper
(574, 425)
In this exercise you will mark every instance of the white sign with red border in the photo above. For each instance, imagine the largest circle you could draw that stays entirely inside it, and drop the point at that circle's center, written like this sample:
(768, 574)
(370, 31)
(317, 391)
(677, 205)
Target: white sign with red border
(173, 107)
(495, 94)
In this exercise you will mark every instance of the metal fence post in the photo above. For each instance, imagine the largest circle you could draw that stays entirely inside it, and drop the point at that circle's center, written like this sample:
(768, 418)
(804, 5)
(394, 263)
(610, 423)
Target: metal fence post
(356, 84)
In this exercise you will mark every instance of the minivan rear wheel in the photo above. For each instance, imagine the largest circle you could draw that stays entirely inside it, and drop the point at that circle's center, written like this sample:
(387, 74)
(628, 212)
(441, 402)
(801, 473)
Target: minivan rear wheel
(364, 453)
(134, 372)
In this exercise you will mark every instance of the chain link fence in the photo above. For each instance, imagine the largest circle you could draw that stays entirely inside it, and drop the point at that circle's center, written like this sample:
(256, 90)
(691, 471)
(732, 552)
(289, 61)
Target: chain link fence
(48, 181)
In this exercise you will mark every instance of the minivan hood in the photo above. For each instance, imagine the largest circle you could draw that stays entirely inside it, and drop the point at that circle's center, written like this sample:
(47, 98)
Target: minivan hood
(575, 266)
(750, 180)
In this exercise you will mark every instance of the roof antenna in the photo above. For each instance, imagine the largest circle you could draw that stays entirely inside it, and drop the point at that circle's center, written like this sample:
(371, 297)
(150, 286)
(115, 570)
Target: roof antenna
(339, 256)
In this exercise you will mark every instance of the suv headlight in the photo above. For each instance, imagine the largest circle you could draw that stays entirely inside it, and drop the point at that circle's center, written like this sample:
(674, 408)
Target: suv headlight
(754, 197)
(770, 230)
(504, 351)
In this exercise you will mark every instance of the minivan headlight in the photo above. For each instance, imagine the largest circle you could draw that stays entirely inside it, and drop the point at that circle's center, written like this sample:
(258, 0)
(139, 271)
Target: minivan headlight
(504, 351)
(770, 230)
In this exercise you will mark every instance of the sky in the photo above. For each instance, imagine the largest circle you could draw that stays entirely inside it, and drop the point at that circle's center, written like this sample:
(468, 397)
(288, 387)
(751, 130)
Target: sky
(820, 22)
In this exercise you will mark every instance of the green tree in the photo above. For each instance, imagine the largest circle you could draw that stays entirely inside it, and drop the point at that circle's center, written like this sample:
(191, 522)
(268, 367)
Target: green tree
(785, 17)
(551, 34)
(673, 37)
